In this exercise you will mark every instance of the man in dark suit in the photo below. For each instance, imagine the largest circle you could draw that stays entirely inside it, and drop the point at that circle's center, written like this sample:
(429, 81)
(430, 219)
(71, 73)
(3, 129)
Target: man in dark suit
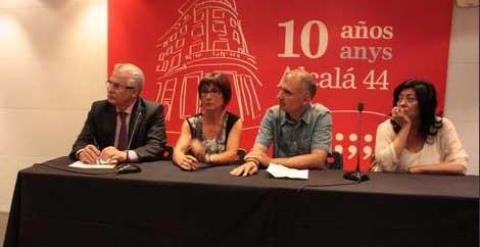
(124, 127)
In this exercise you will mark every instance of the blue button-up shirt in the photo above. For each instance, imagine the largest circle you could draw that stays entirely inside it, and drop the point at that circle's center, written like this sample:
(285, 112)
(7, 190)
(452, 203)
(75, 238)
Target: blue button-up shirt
(290, 137)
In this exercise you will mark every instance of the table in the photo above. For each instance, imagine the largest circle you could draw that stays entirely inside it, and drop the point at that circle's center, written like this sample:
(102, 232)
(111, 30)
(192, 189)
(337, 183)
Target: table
(164, 206)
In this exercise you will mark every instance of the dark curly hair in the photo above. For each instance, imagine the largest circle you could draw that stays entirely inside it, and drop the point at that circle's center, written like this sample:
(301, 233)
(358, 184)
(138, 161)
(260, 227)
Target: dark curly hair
(218, 80)
(427, 103)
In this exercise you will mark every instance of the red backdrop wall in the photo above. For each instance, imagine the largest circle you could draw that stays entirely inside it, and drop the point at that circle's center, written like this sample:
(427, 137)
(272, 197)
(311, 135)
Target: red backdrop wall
(358, 50)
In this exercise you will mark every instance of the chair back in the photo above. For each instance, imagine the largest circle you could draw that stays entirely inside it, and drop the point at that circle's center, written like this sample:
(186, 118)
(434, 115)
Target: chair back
(167, 153)
(334, 160)
(241, 154)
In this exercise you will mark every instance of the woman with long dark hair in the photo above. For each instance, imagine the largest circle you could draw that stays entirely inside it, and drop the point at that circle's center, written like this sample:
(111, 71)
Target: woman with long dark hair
(415, 139)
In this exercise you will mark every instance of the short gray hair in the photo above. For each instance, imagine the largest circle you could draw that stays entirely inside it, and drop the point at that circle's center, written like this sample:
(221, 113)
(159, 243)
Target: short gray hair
(135, 74)
(305, 78)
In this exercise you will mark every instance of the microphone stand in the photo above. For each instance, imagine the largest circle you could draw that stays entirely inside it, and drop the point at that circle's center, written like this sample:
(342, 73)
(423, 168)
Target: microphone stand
(127, 167)
(357, 174)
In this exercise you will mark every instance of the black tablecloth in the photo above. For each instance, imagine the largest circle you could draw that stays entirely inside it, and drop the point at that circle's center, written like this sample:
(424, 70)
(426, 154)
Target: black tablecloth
(164, 206)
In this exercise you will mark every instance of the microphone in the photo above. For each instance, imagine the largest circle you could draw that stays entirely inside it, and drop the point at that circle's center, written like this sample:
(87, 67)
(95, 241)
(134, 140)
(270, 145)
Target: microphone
(357, 174)
(127, 167)
(360, 107)
(139, 115)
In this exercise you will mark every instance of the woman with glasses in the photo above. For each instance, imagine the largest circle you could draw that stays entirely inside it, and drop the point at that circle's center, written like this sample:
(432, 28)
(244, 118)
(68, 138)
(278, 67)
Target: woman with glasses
(415, 139)
(212, 136)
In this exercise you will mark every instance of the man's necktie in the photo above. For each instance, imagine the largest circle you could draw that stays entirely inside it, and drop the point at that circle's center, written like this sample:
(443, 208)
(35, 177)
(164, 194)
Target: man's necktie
(123, 136)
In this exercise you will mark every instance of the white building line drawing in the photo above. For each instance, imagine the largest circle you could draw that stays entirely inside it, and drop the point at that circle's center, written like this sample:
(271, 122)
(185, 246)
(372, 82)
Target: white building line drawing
(206, 37)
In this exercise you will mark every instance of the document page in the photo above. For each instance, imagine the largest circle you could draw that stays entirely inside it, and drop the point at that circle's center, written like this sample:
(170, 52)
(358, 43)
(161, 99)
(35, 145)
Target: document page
(100, 165)
(279, 171)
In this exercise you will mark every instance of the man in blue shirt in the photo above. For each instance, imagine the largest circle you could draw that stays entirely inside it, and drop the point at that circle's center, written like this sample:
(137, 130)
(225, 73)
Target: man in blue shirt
(300, 130)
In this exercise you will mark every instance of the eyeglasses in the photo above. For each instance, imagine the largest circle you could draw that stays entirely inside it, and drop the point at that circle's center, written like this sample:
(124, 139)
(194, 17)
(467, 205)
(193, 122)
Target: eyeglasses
(117, 85)
(214, 91)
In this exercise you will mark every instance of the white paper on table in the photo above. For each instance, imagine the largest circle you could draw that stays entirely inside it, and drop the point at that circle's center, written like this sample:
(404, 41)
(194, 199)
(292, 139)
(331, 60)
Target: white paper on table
(279, 171)
(81, 165)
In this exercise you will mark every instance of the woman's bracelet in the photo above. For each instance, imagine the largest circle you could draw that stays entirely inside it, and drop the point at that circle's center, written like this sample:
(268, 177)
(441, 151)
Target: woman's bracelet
(254, 160)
